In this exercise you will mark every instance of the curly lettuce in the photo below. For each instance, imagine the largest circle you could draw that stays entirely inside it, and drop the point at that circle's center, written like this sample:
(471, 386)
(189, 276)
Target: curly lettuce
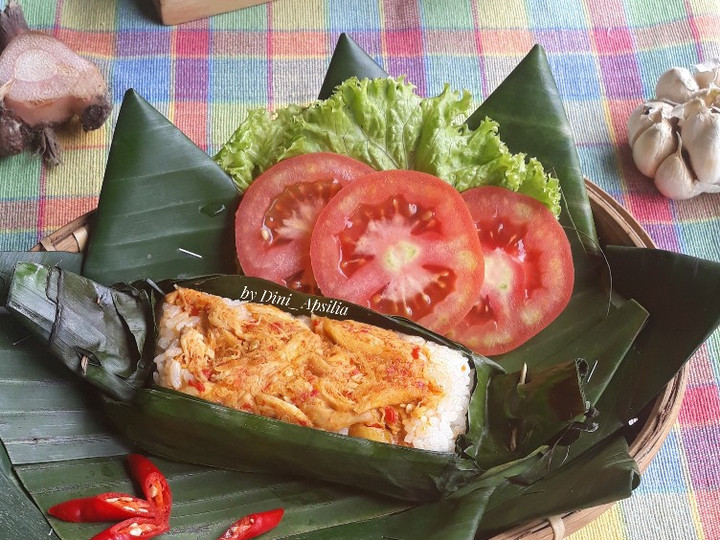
(384, 123)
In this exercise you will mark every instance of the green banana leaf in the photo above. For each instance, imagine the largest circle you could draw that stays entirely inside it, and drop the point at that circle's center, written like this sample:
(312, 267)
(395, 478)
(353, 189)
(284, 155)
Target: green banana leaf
(532, 120)
(600, 344)
(685, 308)
(348, 60)
(165, 209)
(99, 333)
(19, 517)
(525, 413)
(8, 259)
(593, 479)
(47, 415)
(460, 518)
(62, 458)
(680, 320)
(206, 501)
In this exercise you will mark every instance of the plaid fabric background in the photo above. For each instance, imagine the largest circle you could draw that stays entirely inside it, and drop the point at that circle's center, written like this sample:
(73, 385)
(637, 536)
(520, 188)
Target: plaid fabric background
(605, 55)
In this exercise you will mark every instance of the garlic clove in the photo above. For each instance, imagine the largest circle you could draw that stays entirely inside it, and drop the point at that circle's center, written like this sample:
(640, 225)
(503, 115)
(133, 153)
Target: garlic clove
(690, 108)
(701, 136)
(708, 73)
(706, 78)
(673, 177)
(709, 95)
(676, 84)
(644, 116)
(652, 146)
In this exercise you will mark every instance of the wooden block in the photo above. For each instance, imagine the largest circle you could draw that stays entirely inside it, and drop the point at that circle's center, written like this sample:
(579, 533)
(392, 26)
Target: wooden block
(180, 11)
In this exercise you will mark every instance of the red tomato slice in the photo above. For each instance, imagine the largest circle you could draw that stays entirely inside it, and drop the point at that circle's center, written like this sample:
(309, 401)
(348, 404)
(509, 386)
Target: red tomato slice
(529, 272)
(277, 213)
(402, 243)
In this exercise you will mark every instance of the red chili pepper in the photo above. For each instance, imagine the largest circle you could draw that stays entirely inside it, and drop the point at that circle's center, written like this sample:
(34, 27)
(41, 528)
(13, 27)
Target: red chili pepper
(253, 525)
(390, 415)
(153, 483)
(103, 507)
(199, 386)
(134, 528)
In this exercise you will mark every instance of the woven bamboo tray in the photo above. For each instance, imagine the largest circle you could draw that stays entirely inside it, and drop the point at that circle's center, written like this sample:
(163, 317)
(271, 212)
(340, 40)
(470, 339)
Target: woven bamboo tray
(615, 226)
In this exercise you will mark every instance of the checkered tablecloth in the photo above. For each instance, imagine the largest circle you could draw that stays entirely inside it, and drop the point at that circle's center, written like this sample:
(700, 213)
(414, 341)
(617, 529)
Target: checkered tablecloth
(605, 56)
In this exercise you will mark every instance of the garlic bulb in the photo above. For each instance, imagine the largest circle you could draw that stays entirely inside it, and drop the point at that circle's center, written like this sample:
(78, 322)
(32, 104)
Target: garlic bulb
(676, 85)
(675, 137)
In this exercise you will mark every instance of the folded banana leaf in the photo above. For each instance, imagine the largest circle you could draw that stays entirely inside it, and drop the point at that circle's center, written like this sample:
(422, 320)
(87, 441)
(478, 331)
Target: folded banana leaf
(348, 60)
(461, 516)
(113, 349)
(532, 120)
(206, 500)
(593, 479)
(47, 415)
(8, 260)
(155, 174)
(98, 332)
(679, 321)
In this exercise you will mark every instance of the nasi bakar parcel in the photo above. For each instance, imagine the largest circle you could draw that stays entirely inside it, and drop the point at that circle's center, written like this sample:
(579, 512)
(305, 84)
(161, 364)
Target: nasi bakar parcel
(341, 376)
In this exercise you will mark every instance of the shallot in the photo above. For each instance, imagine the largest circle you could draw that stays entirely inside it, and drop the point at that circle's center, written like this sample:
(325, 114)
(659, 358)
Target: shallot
(43, 84)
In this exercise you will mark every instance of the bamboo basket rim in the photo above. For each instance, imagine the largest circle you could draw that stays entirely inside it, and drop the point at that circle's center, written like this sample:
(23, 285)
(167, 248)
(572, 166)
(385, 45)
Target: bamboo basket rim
(612, 220)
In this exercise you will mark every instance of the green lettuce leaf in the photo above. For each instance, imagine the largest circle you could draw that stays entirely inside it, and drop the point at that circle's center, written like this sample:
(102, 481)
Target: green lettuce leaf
(377, 121)
(256, 144)
(384, 123)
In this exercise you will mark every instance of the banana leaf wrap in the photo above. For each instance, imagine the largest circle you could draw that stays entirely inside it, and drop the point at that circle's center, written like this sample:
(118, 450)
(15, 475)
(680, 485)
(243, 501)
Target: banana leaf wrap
(98, 332)
(51, 301)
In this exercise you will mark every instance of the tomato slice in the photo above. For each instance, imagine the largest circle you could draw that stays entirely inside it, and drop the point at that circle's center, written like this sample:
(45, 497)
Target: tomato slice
(529, 272)
(277, 213)
(402, 243)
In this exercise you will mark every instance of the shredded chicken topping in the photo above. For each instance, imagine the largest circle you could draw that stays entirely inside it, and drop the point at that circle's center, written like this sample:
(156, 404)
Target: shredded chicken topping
(329, 374)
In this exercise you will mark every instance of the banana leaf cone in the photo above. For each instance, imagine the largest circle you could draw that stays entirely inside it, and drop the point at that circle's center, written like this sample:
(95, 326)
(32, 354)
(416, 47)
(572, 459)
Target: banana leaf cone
(107, 334)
